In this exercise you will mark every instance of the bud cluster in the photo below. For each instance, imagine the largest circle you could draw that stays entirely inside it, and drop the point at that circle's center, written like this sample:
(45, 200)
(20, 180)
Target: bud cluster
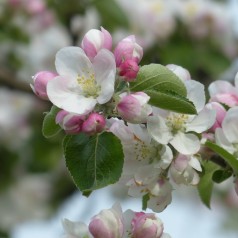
(113, 223)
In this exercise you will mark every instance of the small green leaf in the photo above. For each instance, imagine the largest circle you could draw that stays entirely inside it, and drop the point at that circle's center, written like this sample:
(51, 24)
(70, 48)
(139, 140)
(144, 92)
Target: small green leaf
(145, 200)
(93, 161)
(50, 128)
(165, 89)
(220, 176)
(158, 78)
(171, 101)
(231, 160)
(205, 185)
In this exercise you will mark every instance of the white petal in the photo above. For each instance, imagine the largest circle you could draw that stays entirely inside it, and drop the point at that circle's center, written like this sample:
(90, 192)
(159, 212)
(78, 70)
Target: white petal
(203, 121)
(64, 98)
(230, 125)
(158, 129)
(75, 229)
(166, 157)
(105, 70)
(196, 94)
(220, 87)
(186, 144)
(194, 162)
(71, 62)
(222, 141)
(141, 132)
(195, 179)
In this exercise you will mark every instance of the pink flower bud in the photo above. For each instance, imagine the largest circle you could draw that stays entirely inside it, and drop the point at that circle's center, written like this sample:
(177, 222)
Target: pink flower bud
(129, 70)
(107, 224)
(95, 40)
(128, 49)
(220, 114)
(134, 108)
(70, 122)
(181, 72)
(40, 82)
(94, 124)
(146, 226)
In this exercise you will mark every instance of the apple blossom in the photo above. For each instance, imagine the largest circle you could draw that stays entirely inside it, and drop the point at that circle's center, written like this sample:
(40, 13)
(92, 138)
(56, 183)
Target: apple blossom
(82, 84)
(134, 107)
(146, 225)
(224, 92)
(227, 136)
(95, 40)
(128, 49)
(183, 170)
(236, 185)
(70, 122)
(108, 223)
(40, 81)
(175, 128)
(95, 123)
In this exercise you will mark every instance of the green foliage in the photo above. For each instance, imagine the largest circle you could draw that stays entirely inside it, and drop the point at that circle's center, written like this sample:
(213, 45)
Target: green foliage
(166, 90)
(111, 14)
(220, 176)
(229, 158)
(93, 161)
(9, 160)
(205, 185)
(50, 128)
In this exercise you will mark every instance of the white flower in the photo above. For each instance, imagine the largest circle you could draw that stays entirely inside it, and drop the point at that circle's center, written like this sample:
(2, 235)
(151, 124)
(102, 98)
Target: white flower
(183, 170)
(175, 128)
(227, 136)
(82, 84)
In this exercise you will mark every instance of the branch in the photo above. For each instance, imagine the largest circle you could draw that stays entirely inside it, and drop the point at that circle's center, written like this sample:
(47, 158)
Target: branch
(10, 80)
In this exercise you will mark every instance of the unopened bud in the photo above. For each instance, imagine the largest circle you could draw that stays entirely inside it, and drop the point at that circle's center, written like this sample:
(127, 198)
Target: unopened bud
(146, 225)
(134, 107)
(70, 122)
(107, 224)
(95, 40)
(129, 69)
(128, 49)
(94, 124)
(40, 81)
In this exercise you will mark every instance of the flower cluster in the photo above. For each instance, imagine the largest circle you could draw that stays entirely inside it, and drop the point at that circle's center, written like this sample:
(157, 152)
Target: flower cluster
(93, 92)
(113, 223)
(85, 86)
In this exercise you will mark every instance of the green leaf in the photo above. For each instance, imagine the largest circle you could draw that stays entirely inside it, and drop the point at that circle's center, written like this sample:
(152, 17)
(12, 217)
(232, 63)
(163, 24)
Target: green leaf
(165, 89)
(205, 185)
(158, 78)
(220, 176)
(171, 101)
(93, 161)
(50, 128)
(231, 160)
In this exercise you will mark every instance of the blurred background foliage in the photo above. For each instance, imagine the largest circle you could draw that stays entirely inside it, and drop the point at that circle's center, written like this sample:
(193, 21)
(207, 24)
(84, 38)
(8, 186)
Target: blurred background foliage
(201, 36)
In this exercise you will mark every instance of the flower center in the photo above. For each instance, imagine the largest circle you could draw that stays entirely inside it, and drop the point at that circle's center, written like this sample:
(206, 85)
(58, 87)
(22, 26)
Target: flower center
(143, 151)
(89, 85)
(177, 122)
